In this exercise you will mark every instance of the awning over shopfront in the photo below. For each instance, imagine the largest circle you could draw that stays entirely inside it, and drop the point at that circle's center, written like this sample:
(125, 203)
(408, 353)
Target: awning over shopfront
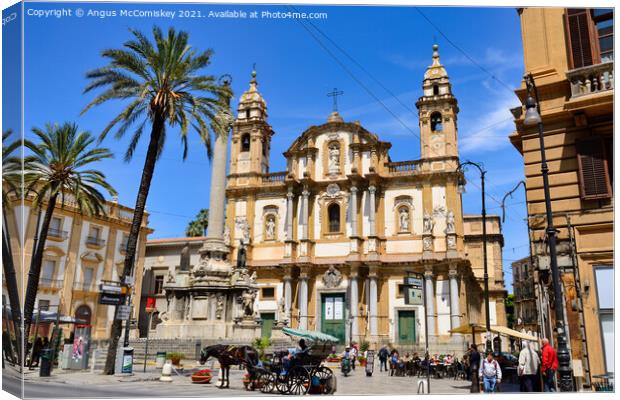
(48, 317)
(499, 329)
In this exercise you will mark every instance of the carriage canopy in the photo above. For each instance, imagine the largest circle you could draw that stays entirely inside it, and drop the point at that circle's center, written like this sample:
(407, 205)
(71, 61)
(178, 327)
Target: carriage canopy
(311, 335)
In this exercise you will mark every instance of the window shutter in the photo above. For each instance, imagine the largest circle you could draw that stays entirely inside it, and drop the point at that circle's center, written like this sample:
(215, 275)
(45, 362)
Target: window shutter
(593, 173)
(579, 37)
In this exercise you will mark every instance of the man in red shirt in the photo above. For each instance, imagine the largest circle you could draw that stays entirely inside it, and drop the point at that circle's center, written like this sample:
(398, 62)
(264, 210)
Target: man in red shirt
(549, 365)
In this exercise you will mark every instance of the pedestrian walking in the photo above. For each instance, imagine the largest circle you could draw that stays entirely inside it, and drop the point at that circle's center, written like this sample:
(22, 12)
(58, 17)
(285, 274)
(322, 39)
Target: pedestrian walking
(528, 368)
(474, 365)
(383, 356)
(549, 365)
(490, 373)
(36, 352)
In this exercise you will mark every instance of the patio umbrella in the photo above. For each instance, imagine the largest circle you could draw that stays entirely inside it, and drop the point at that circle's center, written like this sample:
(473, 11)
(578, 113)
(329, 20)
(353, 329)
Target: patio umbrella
(470, 328)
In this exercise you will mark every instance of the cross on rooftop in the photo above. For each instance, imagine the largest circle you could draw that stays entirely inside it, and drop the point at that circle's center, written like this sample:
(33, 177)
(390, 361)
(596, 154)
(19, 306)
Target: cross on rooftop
(335, 93)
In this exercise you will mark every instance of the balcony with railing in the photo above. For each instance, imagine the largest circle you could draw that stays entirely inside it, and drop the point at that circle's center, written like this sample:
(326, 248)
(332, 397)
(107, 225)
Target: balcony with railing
(57, 234)
(95, 241)
(51, 283)
(402, 167)
(274, 177)
(123, 247)
(591, 79)
(84, 286)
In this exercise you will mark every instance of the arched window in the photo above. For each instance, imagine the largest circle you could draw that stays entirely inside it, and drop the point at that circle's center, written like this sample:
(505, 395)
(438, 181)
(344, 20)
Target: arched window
(245, 142)
(84, 314)
(435, 90)
(436, 122)
(333, 214)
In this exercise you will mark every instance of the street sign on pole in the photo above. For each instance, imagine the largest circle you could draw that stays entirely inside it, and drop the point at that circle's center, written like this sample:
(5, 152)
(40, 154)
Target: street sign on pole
(110, 299)
(413, 281)
(123, 312)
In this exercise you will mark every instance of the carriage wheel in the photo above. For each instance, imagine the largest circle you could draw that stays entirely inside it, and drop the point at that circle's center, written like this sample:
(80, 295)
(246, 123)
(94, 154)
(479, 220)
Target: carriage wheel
(281, 383)
(299, 381)
(265, 382)
(325, 376)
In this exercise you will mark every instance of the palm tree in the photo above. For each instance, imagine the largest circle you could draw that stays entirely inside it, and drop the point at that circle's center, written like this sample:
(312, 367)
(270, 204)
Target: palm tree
(165, 87)
(11, 176)
(198, 226)
(60, 169)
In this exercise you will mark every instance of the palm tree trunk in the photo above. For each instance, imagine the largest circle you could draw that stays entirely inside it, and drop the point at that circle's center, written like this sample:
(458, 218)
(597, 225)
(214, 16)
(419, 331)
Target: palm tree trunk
(11, 285)
(35, 268)
(132, 241)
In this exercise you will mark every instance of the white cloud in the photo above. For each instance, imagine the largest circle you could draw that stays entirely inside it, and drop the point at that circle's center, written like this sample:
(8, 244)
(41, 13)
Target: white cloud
(490, 130)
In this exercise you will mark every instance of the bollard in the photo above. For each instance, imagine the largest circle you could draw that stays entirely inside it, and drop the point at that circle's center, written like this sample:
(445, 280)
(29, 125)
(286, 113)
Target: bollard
(166, 372)
(94, 360)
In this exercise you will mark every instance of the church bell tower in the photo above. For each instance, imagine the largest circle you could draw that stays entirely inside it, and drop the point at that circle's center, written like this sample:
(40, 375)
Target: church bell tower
(437, 110)
(251, 138)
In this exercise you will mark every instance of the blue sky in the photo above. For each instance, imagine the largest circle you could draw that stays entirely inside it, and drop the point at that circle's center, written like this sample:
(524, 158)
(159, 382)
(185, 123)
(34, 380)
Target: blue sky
(393, 43)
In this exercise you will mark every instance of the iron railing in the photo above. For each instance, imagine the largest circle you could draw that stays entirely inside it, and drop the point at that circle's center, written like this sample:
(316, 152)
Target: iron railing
(95, 241)
(57, 233)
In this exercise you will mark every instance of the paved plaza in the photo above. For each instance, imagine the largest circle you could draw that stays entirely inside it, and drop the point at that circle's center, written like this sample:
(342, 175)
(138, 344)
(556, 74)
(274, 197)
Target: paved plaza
(65, 384)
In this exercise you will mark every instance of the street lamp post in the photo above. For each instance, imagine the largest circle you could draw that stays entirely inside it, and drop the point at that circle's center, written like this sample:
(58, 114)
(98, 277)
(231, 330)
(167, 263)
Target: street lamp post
(489, 346)
(533, 118)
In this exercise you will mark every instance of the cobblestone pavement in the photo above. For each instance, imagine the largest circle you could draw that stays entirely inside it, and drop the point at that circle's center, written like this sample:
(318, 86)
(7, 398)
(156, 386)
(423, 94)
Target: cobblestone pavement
(66, 384)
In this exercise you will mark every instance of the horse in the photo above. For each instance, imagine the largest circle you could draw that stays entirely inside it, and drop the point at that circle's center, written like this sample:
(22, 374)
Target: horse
(228, 355)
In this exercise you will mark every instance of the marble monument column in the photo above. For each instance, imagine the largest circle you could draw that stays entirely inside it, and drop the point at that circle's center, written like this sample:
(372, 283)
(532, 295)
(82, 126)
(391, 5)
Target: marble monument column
(353, 301)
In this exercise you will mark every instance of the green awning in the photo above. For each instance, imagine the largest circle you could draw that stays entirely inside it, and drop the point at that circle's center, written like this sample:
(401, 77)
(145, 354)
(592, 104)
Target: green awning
(311, 335)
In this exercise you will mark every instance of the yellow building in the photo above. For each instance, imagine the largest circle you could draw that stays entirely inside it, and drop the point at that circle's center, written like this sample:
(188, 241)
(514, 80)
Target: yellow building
(569, 52)
(80, 252)
(333, 237)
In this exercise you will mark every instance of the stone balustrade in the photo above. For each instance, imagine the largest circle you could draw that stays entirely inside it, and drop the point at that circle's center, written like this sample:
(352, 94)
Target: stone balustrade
(274, 177)
(591, 79)
(402, 166)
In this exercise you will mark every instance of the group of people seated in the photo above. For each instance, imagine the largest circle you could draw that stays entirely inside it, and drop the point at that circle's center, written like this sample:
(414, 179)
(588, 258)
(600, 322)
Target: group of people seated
(412, 364)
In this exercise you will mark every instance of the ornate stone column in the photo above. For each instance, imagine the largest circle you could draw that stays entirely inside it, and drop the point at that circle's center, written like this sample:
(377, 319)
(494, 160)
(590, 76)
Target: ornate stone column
(371, 191)
(218, 187)
(287, 296)
(303, 300)
(455, 312)
(304, 214)
(353, 300)
(430, 300)
(354, 211)
(372, 309)
(289, 214)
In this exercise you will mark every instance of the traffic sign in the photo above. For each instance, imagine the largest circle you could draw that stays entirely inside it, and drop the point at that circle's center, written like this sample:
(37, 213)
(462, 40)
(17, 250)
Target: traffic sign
(110, 299)
(123, 312)
(413, 281)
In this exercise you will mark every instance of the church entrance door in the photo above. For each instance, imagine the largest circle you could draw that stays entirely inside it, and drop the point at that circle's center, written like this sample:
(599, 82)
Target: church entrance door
(332, 315)
(406, 327)
(267, 326)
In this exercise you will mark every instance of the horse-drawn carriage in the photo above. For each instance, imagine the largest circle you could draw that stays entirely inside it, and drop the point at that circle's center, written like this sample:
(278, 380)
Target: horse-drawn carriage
(299, 370)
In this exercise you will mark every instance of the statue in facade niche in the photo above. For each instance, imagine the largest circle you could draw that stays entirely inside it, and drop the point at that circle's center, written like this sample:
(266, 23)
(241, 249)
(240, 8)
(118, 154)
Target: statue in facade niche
(428, 223)
(271, 228)
(334, 158)
(404, 219)
(450, 222)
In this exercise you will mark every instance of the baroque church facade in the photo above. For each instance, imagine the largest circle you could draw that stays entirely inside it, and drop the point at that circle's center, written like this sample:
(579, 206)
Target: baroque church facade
(332, 238)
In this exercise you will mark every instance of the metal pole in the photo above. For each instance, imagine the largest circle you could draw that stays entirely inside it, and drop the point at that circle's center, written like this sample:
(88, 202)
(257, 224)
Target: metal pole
(564, 370)
(36, 332)
(126, 340)
(486, 272)
(428, 355)
(146, 348)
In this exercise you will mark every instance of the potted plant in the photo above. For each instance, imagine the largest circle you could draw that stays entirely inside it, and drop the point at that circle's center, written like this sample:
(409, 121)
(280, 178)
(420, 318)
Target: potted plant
(202, 376)
(333, 358)
(362, 360)
(175, 357)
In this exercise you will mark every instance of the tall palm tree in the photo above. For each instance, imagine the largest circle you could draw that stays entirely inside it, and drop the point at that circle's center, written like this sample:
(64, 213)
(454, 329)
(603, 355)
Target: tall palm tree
(11, 182)
(59, 168)
(198, 226)
(165, 86)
